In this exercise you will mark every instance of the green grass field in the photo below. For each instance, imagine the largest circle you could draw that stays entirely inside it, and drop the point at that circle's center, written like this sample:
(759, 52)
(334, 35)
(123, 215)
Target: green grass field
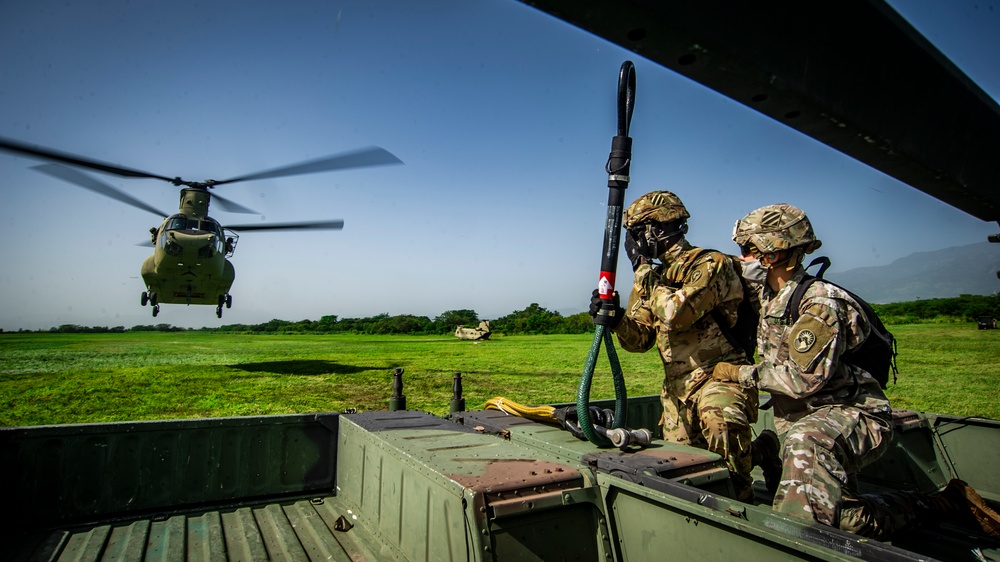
(78, 378)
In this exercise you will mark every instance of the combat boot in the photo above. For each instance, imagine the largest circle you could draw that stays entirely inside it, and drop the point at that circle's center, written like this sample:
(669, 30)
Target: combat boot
(961, 501)
(765, 450)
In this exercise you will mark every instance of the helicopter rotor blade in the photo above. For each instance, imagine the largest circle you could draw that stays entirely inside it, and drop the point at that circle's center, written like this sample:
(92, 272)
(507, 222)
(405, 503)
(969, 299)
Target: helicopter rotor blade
(232, 206)
(83, 180)
(320, 225)
(67, 158)
(362, 158)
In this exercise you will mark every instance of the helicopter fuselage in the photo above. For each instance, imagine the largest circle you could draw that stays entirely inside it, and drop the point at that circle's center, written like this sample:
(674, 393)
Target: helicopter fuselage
(189, 264)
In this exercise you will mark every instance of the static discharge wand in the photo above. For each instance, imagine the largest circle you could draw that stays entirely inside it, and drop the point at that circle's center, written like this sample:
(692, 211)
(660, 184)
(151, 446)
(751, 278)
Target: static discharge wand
(617, 166)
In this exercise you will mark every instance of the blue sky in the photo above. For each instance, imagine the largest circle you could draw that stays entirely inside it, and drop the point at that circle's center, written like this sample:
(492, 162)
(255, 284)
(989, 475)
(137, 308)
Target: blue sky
(502, 115)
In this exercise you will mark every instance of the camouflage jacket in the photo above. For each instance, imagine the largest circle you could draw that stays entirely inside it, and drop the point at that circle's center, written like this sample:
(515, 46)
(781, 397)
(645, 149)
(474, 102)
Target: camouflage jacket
(800, 364)
(670, 306)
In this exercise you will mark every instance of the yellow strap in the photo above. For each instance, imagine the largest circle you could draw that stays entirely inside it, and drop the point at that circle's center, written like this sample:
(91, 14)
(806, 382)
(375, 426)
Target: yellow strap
(545, 414)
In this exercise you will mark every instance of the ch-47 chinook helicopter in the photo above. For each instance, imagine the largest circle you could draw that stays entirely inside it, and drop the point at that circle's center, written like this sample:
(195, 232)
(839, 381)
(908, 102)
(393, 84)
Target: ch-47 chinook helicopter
(190, 262)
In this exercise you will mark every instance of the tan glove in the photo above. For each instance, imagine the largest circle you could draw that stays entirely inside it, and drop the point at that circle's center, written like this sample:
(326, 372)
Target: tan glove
(726, 372)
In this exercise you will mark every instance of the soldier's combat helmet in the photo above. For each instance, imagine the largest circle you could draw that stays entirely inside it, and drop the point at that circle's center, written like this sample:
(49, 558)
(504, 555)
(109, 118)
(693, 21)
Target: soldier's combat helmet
(655, 206)
(776, 227)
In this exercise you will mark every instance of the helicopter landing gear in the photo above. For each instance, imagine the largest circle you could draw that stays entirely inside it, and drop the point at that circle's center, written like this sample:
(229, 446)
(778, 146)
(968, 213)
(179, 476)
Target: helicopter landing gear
(229, 301)
(156, 310)
(145, 298)
(218, 311)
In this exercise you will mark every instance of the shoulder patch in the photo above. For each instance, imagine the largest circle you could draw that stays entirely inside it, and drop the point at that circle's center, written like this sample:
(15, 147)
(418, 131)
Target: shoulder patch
(695, 275)
(810, 338)
(804, 340)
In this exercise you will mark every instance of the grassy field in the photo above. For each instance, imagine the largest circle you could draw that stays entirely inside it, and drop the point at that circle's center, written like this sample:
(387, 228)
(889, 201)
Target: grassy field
(77, 378)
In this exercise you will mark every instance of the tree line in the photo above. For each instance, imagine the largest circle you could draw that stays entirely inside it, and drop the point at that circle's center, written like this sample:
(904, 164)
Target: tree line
(964, 308)
(532, 320)
(536, 319)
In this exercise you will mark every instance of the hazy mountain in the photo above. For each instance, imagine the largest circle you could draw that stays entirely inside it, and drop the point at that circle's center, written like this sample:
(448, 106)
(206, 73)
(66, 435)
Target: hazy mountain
(962, 270)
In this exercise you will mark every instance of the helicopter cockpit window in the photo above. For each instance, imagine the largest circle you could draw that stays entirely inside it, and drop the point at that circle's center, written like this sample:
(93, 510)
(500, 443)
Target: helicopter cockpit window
(209, 225)
(178, 222)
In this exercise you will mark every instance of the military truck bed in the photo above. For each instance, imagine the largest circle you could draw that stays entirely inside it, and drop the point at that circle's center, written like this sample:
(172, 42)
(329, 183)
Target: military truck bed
(287, 530)
(411, 486)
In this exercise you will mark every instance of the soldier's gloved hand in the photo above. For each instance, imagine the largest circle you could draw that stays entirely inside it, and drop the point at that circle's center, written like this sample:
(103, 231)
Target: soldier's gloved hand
(634, 251)
(596, 303)
(726, 372)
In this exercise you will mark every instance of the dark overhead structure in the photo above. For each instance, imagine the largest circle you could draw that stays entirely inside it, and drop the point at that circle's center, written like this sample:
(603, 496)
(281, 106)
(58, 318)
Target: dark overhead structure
(852, 74)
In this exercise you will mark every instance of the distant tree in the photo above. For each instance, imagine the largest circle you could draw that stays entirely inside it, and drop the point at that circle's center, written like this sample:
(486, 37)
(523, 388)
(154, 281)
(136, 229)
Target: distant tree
(327, 323)
(404, 324)
(580, 323)
(450, 319)
(532, 320)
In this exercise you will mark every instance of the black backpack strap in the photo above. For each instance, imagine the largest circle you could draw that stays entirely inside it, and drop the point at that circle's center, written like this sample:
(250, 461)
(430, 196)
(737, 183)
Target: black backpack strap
(791, 314)
(824, 264)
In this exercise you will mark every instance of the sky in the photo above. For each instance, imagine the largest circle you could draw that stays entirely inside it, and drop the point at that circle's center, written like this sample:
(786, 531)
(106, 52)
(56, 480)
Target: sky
(501, 114)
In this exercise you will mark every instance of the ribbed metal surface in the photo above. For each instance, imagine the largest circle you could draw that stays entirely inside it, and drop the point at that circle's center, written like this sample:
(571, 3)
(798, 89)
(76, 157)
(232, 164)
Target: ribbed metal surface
(301, 530)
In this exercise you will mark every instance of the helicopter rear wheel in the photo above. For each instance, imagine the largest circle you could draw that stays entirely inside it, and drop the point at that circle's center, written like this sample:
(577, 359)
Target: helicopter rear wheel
(145, 298)
(218, 311)
(156, 309)
(153, 299)
(229, 301)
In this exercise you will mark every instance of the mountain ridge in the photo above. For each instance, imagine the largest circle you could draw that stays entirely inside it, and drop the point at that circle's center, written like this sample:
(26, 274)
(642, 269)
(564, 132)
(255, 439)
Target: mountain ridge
(950, 272)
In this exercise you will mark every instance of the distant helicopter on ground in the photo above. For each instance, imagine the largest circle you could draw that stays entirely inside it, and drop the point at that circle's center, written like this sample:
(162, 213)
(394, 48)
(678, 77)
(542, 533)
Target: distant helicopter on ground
(480, 332)
(190, 262)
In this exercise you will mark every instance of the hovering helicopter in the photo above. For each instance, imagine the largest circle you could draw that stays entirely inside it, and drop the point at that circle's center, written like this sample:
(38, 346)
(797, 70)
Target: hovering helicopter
(190, 262)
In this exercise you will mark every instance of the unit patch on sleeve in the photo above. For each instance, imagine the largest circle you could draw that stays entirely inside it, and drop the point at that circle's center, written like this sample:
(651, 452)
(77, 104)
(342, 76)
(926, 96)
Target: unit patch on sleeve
(810, 338)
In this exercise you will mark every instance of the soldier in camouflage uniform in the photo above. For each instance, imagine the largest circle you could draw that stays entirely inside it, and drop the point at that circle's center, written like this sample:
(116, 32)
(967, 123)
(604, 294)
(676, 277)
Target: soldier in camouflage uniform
(670, 307)
(834, 415)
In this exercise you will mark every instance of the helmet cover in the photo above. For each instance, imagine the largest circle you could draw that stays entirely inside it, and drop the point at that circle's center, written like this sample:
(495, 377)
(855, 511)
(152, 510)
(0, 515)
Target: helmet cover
(776, 227)
(655, 206)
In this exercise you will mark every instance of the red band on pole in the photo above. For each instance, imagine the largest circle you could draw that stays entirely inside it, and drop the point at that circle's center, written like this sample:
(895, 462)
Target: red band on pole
(606, 285)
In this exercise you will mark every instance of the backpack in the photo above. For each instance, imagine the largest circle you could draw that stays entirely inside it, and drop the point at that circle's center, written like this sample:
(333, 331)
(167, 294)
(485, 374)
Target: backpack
(877, 354)
(743, 334)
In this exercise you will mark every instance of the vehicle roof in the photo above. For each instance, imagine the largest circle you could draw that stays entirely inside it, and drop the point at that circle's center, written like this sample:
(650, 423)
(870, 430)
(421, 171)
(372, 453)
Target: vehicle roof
(858, 78)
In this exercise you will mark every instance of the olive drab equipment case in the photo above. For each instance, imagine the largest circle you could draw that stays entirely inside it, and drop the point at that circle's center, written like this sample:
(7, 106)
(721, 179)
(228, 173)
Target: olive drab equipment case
(877, 354)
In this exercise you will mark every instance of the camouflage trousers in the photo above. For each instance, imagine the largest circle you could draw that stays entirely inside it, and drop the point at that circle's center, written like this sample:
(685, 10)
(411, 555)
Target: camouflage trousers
(716, 417)
(820, 453)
